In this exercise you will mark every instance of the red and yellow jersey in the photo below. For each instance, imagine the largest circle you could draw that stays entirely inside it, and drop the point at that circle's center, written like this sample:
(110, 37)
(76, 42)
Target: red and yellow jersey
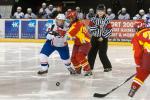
(141, 44)
(80, 32)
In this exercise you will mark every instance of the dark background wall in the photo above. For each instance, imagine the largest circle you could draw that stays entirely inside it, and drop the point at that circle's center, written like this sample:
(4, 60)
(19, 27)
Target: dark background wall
(85, 4)
(34, 4)
(6, 2)
(131, 5)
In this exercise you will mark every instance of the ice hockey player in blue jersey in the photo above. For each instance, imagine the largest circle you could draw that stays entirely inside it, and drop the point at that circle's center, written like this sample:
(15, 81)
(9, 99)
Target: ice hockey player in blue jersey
(56, 41)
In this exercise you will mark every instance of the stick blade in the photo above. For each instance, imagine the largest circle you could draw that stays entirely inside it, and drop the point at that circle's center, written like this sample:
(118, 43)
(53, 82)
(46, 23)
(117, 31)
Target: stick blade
(99, 95)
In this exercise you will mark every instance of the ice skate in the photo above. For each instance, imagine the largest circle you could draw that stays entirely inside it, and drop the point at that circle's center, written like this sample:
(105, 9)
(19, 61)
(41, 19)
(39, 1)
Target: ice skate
(43, 71)
(132, 92)
(78, 70)
(88, 73)
(72, 71)
(107, 69)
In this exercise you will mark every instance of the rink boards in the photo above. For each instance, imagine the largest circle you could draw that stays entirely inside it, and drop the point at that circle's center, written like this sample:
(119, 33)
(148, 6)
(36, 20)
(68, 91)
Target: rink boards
(33, 30)
(43, 40)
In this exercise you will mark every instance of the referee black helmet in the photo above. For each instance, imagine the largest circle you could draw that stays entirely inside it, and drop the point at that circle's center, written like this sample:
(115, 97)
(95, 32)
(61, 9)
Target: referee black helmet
(101, 7)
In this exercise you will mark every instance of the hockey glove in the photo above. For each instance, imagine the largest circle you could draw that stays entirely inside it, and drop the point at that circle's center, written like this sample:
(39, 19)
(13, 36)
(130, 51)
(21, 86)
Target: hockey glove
(49, 36)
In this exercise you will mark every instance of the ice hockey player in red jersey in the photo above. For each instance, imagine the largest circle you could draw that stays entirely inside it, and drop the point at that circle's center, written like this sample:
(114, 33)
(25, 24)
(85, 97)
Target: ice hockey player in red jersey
(82, 45)
(141, 47)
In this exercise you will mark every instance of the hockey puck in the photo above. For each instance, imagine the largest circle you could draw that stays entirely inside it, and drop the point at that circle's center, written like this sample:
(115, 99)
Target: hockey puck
(57, 83)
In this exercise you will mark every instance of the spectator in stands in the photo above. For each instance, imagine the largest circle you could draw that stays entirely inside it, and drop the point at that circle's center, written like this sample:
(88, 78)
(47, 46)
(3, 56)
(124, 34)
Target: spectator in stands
(18, 14)
(110, 14)
(30, 14)
(140, 15)
(66, 13)
(42, 11)
(123, 15)
(55, 12)
(148, 14)
(91, 14)
(49, 10)
(80, 15)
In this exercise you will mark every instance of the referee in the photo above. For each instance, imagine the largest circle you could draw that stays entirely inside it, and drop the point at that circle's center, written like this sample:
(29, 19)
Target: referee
(101, 29)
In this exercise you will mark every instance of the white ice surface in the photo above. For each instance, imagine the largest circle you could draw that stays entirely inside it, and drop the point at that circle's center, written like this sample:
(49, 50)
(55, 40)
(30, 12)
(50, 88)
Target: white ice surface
(19, 80)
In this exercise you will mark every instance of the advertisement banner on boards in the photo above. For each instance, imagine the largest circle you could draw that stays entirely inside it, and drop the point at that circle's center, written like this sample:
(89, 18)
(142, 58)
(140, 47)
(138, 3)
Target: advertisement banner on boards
(122, 30)
(28, 29)
(42, 28)
(12, 28)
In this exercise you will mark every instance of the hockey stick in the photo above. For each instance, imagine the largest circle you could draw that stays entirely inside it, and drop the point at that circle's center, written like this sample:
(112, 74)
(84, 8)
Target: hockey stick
(103, 95)
(52, 27)
(53, 32)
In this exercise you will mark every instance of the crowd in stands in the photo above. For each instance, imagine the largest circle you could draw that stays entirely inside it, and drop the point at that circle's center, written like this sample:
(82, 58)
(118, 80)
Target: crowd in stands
(51, 12)
(124, 15)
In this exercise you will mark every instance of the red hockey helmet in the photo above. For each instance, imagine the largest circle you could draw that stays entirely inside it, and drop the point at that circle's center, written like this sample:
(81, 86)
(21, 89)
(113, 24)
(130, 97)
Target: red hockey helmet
(139, 24)
(72, 14)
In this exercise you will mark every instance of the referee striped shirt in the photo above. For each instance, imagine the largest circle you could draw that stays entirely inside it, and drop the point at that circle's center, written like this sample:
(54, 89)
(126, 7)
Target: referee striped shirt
(100, 27)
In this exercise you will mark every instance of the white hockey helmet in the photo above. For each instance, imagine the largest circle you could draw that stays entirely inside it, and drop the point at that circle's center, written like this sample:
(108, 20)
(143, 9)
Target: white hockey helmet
(141, 12)
(29, 10)
(43, 5)
(123, 10)
(109, 10)
(19, 9)
(61, 16)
